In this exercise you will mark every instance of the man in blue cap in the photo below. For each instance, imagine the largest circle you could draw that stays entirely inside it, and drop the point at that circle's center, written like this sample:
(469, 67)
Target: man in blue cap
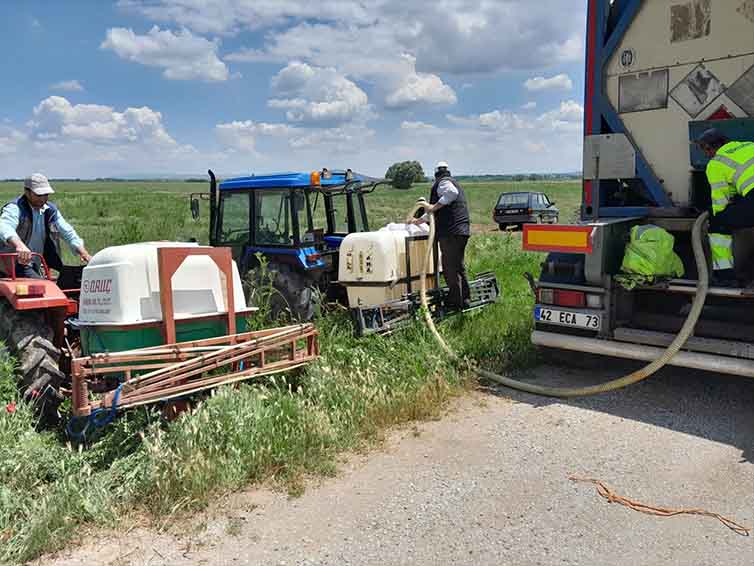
(730, 173)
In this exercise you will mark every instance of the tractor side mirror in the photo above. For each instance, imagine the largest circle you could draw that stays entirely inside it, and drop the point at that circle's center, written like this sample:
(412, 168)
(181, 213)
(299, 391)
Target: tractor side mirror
(194, 208)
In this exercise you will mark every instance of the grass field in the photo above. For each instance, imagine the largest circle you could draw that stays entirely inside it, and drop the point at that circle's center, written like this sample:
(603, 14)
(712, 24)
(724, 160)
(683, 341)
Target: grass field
(114, 213)
(142, 467)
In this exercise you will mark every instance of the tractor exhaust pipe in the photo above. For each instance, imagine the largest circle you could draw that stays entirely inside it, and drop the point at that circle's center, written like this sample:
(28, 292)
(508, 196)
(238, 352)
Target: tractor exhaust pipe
(212, 208)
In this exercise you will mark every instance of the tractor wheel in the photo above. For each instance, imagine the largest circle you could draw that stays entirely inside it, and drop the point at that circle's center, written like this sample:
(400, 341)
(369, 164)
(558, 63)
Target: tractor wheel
(29, 339)
(292, 296)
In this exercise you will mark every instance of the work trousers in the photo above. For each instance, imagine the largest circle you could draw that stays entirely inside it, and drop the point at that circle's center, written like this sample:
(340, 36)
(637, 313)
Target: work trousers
(453, 249)
(743, 255)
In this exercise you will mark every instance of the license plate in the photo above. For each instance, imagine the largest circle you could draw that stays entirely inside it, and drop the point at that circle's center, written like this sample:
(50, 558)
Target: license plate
(512, 212)
(568, 318)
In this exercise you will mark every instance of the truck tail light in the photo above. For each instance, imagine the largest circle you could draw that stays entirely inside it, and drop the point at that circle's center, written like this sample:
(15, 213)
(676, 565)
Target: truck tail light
(546, 296)
(593, 301)
(24, 290)
(562, 298)
(313, 258)
(570, 298)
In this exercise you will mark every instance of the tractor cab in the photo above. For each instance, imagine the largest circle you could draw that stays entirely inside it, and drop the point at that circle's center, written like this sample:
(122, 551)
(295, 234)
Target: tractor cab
(297, 221)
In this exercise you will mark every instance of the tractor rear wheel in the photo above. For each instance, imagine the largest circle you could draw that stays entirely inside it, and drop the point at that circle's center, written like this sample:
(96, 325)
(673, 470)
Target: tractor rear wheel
(292, 292)
(28, 337)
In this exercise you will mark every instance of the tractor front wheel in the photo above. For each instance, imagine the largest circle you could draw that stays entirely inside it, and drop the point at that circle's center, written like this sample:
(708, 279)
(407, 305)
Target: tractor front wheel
(28, 337)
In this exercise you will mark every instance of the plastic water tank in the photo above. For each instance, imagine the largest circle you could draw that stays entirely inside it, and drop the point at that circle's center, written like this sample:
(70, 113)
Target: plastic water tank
(373, 266)
(121, 285)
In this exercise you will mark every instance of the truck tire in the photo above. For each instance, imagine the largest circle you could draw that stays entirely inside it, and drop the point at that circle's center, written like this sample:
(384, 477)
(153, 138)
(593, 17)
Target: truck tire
(293, 294)
(29, 339)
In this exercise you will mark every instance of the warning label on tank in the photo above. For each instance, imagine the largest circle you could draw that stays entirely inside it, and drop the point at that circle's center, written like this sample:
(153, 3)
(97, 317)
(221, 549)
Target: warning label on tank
(742, 92)
(697, 90)
(690, 20)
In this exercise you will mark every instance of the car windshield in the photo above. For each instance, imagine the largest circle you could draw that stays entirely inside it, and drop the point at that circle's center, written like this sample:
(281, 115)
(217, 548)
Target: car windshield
(514, 199)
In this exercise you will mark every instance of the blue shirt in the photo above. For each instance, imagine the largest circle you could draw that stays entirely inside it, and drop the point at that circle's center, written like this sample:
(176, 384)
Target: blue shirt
(9, 222)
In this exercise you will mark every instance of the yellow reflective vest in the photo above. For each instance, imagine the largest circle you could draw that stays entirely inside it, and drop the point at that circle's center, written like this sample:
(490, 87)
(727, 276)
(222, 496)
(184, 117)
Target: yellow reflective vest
(730, 173)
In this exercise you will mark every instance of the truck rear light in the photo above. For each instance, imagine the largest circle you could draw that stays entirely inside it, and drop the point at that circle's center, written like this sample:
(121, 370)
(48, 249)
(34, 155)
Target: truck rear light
(23, 290)
(570, 298)
(593, 301)
(313, 258)
(546, 296)
(529, 211)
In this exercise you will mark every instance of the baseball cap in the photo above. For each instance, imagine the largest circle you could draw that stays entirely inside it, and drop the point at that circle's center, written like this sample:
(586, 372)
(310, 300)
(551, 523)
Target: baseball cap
(711, 137)
(38, 184)
(441, 165)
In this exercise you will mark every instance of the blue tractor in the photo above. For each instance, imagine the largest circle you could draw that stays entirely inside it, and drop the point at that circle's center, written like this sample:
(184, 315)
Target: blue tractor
(296, 221)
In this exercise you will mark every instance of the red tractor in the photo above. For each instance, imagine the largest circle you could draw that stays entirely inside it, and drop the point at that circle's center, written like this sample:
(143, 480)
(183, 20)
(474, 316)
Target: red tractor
(32, 326)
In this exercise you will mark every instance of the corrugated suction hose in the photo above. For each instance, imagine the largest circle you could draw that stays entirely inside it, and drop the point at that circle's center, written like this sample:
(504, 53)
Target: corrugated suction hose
(686, 331)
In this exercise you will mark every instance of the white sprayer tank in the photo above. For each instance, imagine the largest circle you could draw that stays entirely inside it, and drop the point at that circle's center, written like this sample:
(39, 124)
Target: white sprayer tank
(373, 267)
(121, 285)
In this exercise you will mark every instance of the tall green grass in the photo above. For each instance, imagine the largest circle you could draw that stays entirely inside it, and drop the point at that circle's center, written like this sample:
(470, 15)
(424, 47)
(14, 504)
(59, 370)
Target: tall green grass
(280, 429)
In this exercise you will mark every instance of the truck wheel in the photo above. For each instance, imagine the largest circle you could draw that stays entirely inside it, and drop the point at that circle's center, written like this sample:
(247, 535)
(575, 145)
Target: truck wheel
(29, 339)
(292, 294)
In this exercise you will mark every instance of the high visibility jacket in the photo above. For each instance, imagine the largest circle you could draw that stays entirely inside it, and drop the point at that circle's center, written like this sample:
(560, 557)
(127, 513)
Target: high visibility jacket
(730, 173)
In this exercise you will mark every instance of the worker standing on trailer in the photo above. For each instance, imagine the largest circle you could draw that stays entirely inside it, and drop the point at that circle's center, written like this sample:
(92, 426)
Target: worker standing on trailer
(452, 225)
(730, 173)
(30, 224)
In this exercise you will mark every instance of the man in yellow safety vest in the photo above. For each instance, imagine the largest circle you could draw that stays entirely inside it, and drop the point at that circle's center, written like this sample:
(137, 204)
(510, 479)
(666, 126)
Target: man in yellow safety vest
(730, 173)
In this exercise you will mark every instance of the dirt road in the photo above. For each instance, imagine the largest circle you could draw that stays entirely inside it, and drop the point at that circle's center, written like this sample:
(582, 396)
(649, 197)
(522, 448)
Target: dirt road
(488, 484)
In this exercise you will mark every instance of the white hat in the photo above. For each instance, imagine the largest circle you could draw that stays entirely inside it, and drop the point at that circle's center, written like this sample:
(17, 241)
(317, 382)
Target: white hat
(38, 184)
(441, 165)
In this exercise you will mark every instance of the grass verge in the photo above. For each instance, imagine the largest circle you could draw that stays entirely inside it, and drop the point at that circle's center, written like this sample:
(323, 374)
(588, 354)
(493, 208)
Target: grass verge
(279, 430)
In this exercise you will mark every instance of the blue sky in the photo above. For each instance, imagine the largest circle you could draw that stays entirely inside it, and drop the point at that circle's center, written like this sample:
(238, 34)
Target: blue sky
(95, 88)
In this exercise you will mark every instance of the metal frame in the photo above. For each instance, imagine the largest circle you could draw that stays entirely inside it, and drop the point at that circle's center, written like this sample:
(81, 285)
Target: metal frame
(161, 373)
(604, 33)
(168, 262)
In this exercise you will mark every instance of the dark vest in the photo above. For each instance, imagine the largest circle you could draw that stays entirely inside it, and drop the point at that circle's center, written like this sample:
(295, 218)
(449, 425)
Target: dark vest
(452, 219)
(52, 236)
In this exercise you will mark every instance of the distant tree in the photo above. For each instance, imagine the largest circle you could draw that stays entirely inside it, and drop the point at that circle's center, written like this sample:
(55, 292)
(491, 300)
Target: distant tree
(405, 173)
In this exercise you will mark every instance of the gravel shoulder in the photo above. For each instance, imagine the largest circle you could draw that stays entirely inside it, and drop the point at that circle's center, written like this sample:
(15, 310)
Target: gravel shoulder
(488, 484)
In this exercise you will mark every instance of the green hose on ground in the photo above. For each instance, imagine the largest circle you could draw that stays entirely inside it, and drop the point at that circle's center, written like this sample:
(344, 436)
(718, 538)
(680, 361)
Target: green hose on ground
(563, 392)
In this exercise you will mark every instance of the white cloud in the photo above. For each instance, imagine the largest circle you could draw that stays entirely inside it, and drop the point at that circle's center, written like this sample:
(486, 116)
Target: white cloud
(57, 119)
(70, 86)
(81, 140)
(313, 94)
(232, 16)
(420, 88)
(182, 55)
(242, 135)
(496, 120)
(534, 147)
(10, 140)
(529, 106)
(558, 82)
(419, 127)
(568, 117)
(448, 36)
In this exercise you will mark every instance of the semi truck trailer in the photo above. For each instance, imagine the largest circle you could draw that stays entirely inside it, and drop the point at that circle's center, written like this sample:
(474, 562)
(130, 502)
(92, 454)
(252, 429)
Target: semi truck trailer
(658, 74)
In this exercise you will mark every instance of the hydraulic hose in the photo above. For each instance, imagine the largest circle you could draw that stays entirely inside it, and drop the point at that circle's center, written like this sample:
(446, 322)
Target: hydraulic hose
(564, 392)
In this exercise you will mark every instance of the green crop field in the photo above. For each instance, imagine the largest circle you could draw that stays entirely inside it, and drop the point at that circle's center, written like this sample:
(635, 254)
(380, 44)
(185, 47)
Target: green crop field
(279, 430)
(107, 213)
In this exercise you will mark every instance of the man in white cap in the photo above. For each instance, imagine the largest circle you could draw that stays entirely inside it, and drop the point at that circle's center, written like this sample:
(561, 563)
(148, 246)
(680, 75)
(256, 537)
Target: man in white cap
(452, 228)
(29, 224)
